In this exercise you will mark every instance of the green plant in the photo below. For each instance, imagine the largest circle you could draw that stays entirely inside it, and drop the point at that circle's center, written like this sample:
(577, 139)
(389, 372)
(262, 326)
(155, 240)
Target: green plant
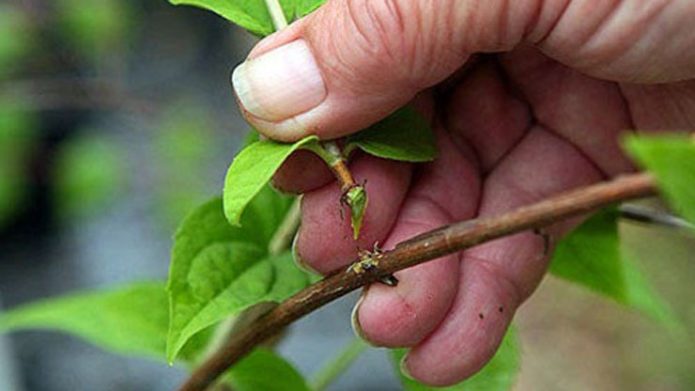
(232, 283)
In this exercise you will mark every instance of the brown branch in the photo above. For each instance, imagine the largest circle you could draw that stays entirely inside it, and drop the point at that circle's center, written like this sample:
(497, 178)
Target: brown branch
(425, 247)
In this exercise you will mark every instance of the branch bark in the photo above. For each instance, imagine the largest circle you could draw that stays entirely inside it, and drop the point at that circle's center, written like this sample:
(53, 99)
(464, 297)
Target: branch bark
(428, 246)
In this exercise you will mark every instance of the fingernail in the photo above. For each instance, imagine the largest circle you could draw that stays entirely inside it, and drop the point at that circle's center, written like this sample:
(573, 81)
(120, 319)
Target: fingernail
(280, 84)
(298, 259)
(355, 321)
(404, 368)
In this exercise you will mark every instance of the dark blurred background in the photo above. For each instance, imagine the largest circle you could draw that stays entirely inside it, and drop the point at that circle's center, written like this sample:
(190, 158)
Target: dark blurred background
(116, 118)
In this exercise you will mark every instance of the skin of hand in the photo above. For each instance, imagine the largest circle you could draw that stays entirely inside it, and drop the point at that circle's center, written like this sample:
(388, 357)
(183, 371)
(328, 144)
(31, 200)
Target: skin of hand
(528, 98)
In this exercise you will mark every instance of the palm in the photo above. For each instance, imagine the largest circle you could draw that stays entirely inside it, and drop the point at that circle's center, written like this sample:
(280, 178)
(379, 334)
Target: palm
(506, 138)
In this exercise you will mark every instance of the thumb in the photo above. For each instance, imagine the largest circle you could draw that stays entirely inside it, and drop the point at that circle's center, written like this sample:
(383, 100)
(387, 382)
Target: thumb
(353, 62)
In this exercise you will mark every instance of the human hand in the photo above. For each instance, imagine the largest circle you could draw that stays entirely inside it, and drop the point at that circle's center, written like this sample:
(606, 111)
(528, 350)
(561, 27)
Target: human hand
(541, 116)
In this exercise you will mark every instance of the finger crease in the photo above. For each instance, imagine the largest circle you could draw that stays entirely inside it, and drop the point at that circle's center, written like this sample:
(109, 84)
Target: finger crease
(513, 287)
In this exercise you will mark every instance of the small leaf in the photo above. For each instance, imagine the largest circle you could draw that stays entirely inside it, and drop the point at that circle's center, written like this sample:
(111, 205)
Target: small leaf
(265, 370)
(356, 199)
(218, 270)
(672, 161)
(129, 320)
(249, 14)
(591, 256)
(252, 168)
(404, 136)
(498, 375)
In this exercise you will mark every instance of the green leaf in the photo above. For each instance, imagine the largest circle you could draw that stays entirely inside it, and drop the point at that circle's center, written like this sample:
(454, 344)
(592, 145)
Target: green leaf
(211, 273)
(672, 161)
(230, 279)
(249, 14)
(218, 270)
(253, 14)
(498, 375)
(305, 7)
(252, 168)
(130, 320)
(404, 136)
(265, 370)
(591, 256)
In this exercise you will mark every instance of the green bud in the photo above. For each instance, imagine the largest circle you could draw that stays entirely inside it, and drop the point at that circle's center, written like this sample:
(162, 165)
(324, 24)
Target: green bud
(356, 199)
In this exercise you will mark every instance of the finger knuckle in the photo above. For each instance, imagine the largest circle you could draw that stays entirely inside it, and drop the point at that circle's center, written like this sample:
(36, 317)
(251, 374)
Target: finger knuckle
(384, 29)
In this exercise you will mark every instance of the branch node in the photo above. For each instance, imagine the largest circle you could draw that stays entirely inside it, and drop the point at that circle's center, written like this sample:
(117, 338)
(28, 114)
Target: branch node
(546, 240)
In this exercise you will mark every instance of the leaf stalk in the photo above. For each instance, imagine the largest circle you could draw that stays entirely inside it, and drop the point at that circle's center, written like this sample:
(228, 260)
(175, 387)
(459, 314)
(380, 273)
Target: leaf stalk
(276, 14)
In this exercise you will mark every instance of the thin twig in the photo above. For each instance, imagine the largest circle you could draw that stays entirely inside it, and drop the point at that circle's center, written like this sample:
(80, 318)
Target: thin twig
(276, 14)
(344, 176)
(428, 246)
(643, 214)
(282, 238)
(339, 166)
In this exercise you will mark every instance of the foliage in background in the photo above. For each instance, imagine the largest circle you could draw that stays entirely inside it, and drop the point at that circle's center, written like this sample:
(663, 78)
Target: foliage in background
(183, 145)
(94, 29)
(89, 175)
(17, 137)
(16, 39)
(88, 168)
(17, 126)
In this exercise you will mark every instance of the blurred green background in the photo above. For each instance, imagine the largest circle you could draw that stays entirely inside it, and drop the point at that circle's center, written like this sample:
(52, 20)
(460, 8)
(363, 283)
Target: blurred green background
(116, 118)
